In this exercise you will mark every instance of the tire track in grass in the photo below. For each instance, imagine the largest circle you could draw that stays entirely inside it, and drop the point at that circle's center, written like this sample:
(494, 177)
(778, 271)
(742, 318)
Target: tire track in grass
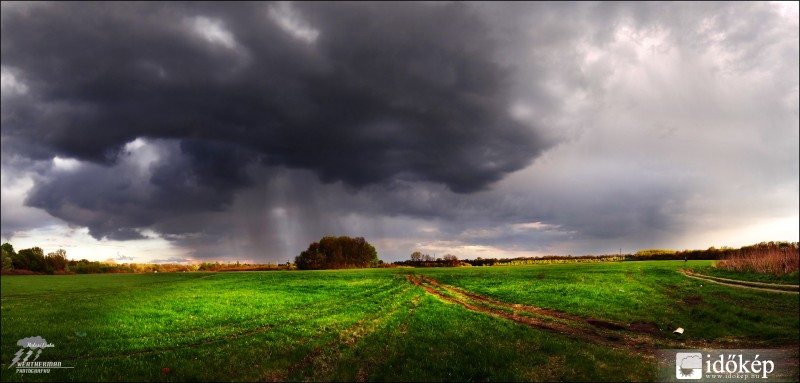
(742, 284)
(552, 323)
(320, 358)
(300, 314)
(232, 324)
(641, 340)
(787, 285)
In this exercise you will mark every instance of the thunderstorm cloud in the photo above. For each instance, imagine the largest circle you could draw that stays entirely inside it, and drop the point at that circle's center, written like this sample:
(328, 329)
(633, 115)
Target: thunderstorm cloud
(247, 130)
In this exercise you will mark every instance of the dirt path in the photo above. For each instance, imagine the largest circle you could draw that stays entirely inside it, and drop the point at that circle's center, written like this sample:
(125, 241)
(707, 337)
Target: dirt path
(638, 337)
(747, 282)
(703, 278)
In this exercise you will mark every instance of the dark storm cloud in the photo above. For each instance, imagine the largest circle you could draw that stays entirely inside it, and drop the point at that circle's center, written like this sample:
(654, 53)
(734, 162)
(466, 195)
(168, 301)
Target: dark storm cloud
(384, 91)
(145, 186)
(249, 130)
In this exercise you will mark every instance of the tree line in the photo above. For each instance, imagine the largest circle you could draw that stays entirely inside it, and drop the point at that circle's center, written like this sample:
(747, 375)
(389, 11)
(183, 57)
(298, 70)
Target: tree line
(712, 253)
(346, 253)
(34, 261)
(417, 259)
(547, 259)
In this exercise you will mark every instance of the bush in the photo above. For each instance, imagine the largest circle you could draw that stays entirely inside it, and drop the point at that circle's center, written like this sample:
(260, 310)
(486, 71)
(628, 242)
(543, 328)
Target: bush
(773, 258)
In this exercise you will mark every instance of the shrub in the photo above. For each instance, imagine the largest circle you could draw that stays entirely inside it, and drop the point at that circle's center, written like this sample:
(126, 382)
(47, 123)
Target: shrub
(765, 258)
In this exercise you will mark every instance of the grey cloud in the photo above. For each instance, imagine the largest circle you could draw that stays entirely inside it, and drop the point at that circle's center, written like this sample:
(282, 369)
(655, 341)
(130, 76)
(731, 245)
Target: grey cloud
(116, 201)
(399, 116)
(385, 90)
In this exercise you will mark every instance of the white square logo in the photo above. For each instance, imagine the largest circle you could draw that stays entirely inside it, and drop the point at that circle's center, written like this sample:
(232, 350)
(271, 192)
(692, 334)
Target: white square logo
(689, 365)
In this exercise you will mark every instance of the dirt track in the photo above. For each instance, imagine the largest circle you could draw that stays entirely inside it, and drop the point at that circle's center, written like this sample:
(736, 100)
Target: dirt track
(703, 278)
(639, 337)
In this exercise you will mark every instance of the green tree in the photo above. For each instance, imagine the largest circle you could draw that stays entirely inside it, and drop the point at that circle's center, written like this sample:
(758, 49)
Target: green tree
(30, 259)
(7, 248)
(338, 253)
(311, 259)
(8, 257)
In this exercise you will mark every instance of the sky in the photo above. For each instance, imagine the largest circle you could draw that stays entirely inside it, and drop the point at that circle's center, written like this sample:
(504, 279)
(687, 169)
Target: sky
(188, 132)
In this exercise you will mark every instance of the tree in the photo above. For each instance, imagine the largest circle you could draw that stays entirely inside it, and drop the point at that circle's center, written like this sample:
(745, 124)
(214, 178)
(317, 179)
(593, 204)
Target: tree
(57, 260)
(451, 260)
(30, 259)
(416, 256)
(337, 253)
(7, 248)
(311, 259)
(8, 257)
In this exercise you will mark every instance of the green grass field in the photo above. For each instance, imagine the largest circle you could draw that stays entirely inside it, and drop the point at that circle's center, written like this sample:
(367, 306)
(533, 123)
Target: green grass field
(572, 322)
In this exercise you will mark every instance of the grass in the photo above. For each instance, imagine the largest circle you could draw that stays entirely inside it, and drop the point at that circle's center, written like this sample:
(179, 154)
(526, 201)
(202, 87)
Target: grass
(648, 291)
(790, 279)
(370, 324)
